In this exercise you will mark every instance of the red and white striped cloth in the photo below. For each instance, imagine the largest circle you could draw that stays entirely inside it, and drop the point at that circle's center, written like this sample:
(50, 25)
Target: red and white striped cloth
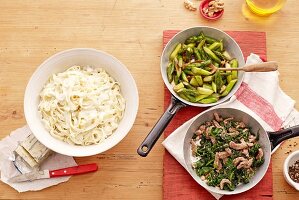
(260, 96)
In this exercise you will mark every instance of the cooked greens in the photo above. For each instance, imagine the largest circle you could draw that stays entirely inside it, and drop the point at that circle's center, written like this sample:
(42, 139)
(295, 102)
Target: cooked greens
(227, 153)
(193, 66)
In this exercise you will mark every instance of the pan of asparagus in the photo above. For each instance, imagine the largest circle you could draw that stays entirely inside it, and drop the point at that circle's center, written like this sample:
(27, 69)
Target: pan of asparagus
(189, 68)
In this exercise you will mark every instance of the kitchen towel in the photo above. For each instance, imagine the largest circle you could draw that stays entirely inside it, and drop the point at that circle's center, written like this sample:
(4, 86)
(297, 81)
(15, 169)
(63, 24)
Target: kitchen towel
(8, 170)
(259, 95)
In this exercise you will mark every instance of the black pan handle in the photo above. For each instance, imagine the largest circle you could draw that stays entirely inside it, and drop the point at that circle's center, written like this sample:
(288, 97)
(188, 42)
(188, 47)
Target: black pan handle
(156, 132)
(277, 137)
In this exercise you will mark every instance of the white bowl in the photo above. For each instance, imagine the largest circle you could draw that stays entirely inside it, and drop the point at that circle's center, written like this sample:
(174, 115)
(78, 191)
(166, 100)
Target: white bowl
(60, 62)
(291, 159)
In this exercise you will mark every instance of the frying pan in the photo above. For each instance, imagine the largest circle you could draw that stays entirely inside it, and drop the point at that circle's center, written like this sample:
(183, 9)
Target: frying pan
(177, 102)
(267, 140)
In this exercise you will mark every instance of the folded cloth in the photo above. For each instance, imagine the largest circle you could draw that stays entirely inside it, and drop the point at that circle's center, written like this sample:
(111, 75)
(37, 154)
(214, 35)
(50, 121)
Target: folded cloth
(260, 96)
(8, 170)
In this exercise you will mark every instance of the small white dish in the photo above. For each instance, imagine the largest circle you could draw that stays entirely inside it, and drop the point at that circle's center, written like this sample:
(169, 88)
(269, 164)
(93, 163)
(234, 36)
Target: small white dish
(291, 159)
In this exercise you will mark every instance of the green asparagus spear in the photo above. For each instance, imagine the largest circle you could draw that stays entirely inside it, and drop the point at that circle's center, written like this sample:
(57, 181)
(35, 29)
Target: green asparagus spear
(199, 71)
(202, 90)
(229, 77)
(229, 87)
(175, 51)
(210, 40)
(200, 97)
(208, 79)
(176, 79)
(215, 95)
(184, 77)
(207, 86)
(214, 87)
(193, 39)
(188, 71)
(170, 70)
(194, 82)
(215, 45)
(197, 54)
(189, 92)
(188, 86)
(199, 80)
(219, 55)
(180, 61)
(226, 55)
(221, 45)
(211, 54)
(200, 45)
(191, 45)
(178, 87)
(209, 100)
(183, 96)
(234, 64)
(199, 65)
(218, 80)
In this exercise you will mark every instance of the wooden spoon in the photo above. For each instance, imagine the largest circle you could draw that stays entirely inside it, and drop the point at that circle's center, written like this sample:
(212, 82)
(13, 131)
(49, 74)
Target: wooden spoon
(259, 67)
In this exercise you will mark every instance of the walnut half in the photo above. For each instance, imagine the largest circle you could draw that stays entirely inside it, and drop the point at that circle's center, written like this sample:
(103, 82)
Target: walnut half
(189, 5)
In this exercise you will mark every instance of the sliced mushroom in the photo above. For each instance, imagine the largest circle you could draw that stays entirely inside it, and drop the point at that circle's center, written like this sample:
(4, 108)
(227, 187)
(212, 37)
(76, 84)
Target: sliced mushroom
(229, 151)
(202, 128)
(246, 164)
(213, 139)
(241, 125)
(227, 120)
(260, 154)
(234, 134)
(208, 130)
(208, 123)
(245, 152)
(238, 146)
(232, 129)
(249, 144)
(193, 148)
(252, 138)
(198, 133)
(216, 116)
(236, 161)
(217, 162)
(223, 133)
(223, 154)
(224, 181)
(217, 124)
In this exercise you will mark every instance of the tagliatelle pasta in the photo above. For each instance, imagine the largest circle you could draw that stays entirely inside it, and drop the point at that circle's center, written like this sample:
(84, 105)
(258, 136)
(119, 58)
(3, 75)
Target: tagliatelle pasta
(82, 105)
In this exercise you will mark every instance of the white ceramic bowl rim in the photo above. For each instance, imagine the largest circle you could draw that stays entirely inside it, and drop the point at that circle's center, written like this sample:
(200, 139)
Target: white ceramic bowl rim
(129, 90)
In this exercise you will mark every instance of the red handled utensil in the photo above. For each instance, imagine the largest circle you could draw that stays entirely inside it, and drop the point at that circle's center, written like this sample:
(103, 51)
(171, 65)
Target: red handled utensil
(44, 174)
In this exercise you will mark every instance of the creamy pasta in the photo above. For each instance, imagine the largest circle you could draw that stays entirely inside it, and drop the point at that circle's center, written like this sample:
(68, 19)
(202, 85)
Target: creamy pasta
(82, 105)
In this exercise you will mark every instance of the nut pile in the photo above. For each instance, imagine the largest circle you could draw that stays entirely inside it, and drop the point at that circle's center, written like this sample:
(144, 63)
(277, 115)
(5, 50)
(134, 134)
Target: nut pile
(214, 6)
(189, 5)
(294, 171)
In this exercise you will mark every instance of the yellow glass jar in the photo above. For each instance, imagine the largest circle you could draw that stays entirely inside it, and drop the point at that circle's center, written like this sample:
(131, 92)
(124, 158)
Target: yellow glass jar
(265, 7)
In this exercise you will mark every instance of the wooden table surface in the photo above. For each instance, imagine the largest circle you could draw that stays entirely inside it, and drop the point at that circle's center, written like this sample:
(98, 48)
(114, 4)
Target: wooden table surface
(131, 30)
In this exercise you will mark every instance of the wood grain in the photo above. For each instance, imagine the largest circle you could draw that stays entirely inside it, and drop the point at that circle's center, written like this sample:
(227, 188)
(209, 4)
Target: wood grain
(132, 31)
